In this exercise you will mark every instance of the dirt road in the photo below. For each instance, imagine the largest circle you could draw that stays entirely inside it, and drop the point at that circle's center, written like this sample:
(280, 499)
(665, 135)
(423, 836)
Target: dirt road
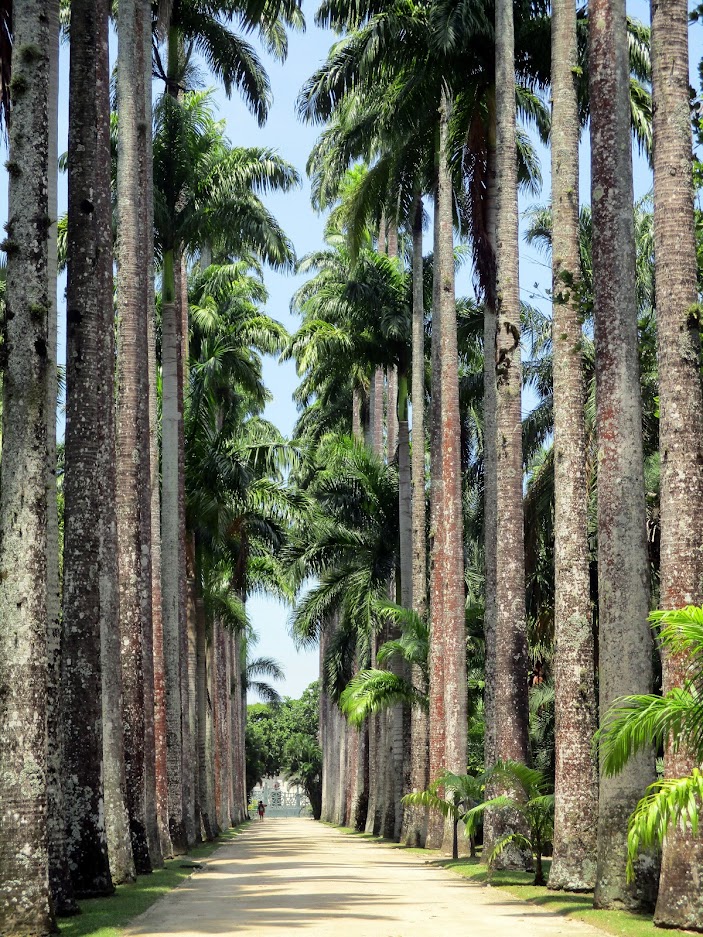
(286, 877)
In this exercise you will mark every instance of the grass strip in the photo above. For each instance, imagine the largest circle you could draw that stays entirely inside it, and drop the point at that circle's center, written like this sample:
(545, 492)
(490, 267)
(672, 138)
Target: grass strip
(105, 917)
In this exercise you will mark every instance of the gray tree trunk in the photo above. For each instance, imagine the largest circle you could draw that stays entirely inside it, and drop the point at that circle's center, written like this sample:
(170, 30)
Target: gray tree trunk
(149, 516)
(89, 572)
(511, 740)
(490, 485)
(133, 456)
(576, 782)
(680, 900)
(25, 906)
(59, 874)
(172, 559)
(625, 647)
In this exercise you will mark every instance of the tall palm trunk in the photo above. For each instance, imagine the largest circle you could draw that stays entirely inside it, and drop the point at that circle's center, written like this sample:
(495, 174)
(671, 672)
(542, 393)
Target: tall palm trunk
(89, 450)
(376, 746)
(449, 538)
(187, 615)
(148, 509)
(393, 415)
(490, 484)
(133, 457)
(625, 652)
(160, 745)
(192, 674)
(680, 899)
(510, 728)
(204, 790)
(223, 726)
(211, 758)
(239, 769)
(415, 818)
(59, 873)
(25, 906)
(171, 544)
(436, 723)
(576, 782)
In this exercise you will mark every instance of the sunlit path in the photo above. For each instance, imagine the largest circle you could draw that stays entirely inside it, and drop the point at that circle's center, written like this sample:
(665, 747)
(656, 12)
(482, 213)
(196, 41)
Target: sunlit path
(286, 876)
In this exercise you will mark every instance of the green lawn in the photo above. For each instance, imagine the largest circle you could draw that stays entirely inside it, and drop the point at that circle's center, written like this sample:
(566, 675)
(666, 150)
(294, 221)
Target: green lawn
(104, 917)
(519, 884)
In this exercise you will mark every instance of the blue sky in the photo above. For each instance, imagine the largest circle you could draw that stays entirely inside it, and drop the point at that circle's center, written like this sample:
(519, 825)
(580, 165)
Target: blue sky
(294, 141)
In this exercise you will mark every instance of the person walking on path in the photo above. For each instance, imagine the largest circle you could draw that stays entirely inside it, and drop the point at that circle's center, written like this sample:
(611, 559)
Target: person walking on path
(261, 809)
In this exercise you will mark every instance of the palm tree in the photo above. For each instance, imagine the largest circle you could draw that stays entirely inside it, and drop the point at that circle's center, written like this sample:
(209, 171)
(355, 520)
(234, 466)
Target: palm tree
(205, 194)
(679, 902)
(414, 819)
(59, 874)
(576, 782)
(25, 906)
(89, 603)
(530, 801)
(448, 701)
(672, 722)
(623, 575)
(133, 455)
(454, 797)
(510, 661)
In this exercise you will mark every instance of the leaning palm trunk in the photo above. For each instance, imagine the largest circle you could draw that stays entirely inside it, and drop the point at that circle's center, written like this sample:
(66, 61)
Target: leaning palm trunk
(25, 906)
(680, 900)
(449, 533)
(59, 873)
(171, 544)
(576, 782)
(415, 818)
(89, 573)
(625, 654)
(133, 468)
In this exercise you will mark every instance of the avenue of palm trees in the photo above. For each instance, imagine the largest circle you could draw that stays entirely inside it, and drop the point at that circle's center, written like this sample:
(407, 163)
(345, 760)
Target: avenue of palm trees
(489, 518)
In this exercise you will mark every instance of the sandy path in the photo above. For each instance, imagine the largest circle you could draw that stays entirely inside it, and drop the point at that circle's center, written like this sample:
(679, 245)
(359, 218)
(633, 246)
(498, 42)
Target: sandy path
(295, 876)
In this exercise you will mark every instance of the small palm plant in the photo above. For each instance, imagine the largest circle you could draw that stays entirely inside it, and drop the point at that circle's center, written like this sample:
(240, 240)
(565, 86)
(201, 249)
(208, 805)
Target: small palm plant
(675, 720)
(527, 797)
(455, 796)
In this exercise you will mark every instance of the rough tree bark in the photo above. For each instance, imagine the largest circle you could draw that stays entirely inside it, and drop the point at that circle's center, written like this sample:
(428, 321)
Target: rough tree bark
(171, 544)
(59, 873)
(133, 457)
(625, 647)
(449, 536)
(415, 818)
(511, 740)
(435, 720)
(576, 782)
(680, 899)
(89, 574)
(25, 907)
